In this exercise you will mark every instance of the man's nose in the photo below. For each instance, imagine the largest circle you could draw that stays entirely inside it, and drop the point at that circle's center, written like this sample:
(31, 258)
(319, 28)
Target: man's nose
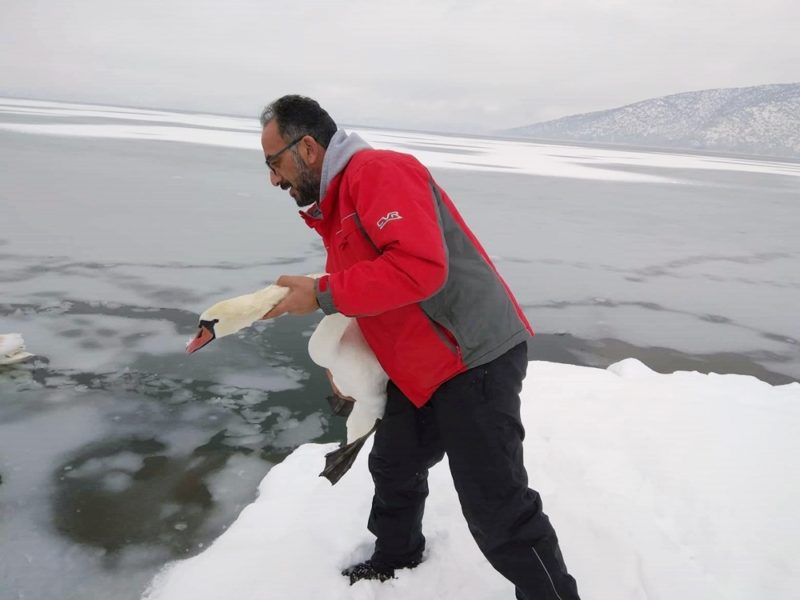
(274, 178)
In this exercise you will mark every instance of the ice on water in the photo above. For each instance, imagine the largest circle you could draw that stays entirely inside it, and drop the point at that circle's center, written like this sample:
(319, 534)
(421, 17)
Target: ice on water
(147, 217)
(436, 151)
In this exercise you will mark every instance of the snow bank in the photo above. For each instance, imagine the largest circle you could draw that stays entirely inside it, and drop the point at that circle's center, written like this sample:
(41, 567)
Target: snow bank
(660, 487)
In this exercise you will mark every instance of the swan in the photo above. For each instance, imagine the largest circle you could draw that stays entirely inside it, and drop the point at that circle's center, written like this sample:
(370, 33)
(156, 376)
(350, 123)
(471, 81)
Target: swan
(336, 345)
(229, 316)
(12, 349)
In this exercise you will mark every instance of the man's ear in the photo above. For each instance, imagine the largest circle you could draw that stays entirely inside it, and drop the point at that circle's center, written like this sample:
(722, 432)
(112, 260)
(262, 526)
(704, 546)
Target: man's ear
(313, 150)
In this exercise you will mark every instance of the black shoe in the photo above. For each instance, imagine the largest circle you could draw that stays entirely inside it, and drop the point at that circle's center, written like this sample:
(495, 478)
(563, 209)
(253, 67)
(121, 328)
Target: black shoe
(370, 569)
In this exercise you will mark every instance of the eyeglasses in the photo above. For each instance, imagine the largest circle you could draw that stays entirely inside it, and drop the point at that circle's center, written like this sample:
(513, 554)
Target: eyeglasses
(270, 159)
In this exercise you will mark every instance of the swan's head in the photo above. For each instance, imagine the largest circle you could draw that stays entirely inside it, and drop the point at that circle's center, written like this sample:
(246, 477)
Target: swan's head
(224, 318)
(205, 335)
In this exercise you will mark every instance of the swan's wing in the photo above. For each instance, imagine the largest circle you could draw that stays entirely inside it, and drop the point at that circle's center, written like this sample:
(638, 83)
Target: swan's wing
(326, 344)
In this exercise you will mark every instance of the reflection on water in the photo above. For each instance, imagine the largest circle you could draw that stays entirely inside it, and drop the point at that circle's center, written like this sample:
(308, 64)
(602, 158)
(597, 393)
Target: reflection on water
(125, 491)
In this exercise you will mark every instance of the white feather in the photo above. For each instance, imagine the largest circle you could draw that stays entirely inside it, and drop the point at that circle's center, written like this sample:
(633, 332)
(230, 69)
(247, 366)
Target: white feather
(336, 345)
(237, 313)
(12, 349)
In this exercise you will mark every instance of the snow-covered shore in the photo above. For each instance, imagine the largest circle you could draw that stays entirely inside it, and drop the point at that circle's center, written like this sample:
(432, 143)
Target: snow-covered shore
(660, 487)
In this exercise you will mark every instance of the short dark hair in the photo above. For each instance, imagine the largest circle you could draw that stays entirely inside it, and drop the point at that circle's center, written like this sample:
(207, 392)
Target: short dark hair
(297, 116)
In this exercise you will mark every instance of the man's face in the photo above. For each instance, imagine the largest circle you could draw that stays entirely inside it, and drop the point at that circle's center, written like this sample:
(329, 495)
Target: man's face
(288, 168)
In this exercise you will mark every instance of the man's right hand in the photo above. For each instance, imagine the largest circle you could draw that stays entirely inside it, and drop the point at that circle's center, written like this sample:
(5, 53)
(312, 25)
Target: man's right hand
(301, 299)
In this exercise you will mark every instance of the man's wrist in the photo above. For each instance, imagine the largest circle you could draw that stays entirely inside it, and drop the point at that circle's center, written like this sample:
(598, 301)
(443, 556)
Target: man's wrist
(324, 297)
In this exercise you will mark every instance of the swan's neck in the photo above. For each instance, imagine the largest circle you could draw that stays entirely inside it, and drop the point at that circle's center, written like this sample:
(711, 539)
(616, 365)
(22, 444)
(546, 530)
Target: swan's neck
(237, 313)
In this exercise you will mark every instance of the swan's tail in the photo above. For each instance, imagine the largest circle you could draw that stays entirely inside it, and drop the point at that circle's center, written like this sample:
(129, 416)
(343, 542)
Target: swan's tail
(338, 462)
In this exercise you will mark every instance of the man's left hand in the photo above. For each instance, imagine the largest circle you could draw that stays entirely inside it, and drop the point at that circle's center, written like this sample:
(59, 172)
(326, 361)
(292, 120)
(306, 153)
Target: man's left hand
(301, 300)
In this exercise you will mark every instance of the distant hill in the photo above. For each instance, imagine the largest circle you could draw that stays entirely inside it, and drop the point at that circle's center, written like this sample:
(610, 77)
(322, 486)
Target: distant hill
(762, 120)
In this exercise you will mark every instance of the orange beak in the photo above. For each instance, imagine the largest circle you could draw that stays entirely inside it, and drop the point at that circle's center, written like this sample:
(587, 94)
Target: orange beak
(205, 334)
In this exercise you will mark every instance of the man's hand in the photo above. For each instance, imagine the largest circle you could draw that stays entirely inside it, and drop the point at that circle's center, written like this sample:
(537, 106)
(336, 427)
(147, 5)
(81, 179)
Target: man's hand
(301, 300)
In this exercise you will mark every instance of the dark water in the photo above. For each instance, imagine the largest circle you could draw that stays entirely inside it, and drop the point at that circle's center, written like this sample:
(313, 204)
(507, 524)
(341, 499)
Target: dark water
(118, 452)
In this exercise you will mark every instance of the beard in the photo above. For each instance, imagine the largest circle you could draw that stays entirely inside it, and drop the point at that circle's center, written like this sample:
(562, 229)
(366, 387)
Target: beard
(307, 185)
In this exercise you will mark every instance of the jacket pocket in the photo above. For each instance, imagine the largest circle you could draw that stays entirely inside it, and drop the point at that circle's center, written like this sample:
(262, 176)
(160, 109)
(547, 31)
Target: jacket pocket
(351, 242)
(447, 338)
(347, 228)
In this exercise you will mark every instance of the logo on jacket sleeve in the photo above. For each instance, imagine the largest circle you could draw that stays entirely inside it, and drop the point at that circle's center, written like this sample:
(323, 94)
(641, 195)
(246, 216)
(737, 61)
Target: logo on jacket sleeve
(392, 216)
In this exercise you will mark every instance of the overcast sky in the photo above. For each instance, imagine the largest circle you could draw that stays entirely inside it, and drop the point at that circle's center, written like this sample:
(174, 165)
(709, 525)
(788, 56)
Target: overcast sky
(438, 65)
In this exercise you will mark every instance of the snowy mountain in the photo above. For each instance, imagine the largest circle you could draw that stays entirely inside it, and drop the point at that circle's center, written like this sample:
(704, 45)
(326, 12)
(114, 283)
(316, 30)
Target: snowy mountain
(763, 120)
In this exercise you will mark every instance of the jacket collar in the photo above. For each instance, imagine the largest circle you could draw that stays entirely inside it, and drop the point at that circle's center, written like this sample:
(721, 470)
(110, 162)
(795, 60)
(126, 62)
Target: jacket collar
(340, 150)
(312, 215)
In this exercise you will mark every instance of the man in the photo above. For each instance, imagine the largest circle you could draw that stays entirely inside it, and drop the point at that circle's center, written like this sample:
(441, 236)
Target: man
(445, 328)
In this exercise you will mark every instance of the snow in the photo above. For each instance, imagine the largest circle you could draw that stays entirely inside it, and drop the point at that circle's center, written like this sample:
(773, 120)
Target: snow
(762, 119)
(434, 150)
(659, 486)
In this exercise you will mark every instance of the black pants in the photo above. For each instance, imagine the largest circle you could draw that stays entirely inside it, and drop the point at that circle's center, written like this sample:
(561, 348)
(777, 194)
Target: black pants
(475, 419)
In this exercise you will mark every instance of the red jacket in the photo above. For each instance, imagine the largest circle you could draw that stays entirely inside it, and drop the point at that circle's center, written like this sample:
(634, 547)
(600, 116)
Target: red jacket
(403, 262)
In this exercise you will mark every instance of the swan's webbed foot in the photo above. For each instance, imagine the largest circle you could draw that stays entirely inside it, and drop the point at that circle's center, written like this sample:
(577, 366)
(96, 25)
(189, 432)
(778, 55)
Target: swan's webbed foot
(339, 461)
(341, 407)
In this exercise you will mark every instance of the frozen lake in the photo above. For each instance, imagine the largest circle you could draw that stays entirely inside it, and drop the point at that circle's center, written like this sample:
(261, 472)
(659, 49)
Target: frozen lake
(118, 452)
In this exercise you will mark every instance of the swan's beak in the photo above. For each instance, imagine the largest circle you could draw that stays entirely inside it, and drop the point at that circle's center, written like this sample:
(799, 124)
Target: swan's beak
(205, 334)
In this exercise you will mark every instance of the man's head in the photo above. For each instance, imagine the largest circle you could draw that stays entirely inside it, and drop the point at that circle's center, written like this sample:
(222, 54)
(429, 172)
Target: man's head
(295, 133)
